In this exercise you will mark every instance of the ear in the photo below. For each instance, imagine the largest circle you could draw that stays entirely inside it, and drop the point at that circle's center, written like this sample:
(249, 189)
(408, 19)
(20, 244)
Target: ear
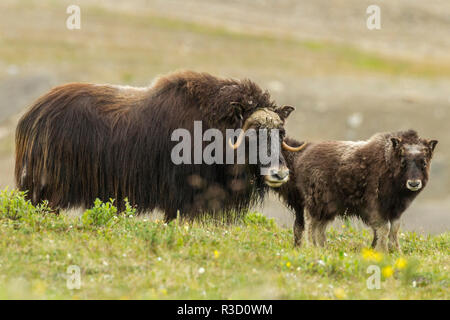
(432, 144)
(284, 111)
(395, 142)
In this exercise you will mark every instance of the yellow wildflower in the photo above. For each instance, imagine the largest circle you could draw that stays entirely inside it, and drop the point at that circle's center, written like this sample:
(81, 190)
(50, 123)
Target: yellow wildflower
(216, 254)
(400, 263)
(288, 264)
(340, 293)
(387, 272)
(372, 255)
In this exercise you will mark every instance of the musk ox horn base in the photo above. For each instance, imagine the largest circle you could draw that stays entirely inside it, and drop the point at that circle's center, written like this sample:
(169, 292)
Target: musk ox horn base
(293, 149)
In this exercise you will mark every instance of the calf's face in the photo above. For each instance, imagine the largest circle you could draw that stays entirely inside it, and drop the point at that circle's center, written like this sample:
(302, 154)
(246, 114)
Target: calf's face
(412, 162)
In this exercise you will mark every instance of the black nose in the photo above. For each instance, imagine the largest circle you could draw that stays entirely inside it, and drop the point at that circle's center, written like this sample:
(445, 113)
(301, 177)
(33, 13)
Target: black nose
(414, 184)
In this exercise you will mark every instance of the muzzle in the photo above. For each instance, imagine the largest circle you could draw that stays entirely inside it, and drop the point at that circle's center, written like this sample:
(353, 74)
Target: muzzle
(414, 185)
(277, 177)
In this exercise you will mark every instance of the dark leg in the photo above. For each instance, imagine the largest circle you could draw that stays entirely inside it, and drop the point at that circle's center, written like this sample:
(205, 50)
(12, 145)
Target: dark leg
(299, 227)
(381, 229)
(375, 238)
(170, 215)
(394, 244)
(310, 227)
(320, 233)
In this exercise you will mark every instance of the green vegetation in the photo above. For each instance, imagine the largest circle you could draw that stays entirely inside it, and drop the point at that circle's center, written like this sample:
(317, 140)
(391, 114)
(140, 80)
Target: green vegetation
(123, 256)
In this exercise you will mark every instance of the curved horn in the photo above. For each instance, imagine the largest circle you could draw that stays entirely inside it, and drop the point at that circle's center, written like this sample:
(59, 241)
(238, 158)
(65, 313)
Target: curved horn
(293, 149)
(240, 138)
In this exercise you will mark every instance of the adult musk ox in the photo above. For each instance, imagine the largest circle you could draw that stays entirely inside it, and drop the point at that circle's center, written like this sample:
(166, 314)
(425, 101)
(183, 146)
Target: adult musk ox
(375, 180)
(80, 142)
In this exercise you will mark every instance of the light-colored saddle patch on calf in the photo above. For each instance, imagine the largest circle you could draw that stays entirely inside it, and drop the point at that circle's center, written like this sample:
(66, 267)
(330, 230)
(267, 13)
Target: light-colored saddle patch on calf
(349, 148)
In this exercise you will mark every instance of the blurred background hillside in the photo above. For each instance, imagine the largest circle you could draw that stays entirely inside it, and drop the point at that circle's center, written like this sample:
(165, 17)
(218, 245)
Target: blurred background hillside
(346, 81)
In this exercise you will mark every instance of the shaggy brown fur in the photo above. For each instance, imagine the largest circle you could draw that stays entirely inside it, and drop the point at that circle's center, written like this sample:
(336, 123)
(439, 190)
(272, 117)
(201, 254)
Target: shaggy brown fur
(375, 180)
(80, 142)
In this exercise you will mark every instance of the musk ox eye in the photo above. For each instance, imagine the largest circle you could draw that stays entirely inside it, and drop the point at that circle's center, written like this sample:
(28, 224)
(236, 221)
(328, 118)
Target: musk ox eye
(424, 163)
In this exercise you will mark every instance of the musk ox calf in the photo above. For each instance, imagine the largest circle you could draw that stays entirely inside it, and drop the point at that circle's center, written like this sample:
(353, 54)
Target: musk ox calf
(81, 141)
(375, 180)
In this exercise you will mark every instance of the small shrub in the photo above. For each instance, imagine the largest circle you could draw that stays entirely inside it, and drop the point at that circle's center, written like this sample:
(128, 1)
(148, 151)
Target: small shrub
(101, 214)
(130, 211)
(14, 206)
(256, 218)
(106, 214)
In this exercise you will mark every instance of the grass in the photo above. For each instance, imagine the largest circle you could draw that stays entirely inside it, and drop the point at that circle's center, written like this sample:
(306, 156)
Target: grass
(123, 257)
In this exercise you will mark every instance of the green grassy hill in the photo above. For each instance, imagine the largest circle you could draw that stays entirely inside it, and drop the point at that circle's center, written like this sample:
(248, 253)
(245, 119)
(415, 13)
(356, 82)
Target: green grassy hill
(127, 257)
